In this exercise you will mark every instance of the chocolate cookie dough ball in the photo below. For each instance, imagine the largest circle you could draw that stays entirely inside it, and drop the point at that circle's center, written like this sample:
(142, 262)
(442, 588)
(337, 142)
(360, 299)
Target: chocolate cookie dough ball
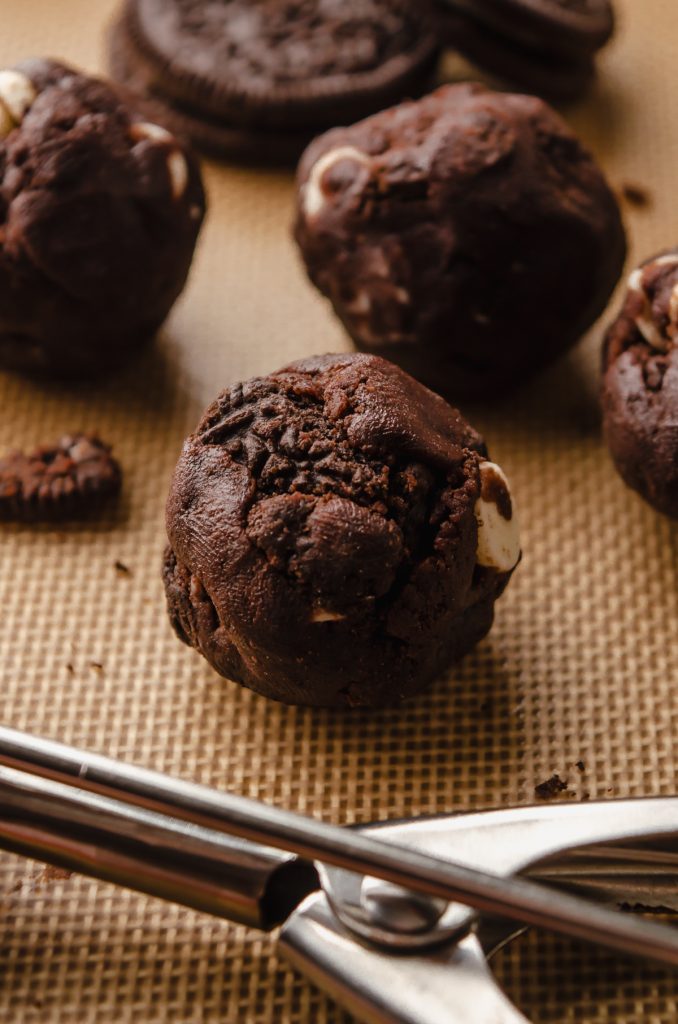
(99, 215)
(640, 384)
(468, 236)
(337, 535)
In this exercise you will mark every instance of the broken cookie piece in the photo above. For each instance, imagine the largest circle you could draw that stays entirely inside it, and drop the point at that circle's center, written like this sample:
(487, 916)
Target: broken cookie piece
(67, 480)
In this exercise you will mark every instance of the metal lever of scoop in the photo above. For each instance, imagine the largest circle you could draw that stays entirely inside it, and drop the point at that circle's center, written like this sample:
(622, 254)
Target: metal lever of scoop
(258, 823)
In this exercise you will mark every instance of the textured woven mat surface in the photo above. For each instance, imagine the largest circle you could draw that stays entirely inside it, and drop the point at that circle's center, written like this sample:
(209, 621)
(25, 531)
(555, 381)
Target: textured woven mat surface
(582, 663)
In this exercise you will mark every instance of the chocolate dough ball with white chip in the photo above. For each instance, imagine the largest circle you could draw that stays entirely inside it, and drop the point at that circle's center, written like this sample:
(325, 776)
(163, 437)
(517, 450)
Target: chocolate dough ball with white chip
(99, 215)
(640, 383)
(467, 236)
(337, 534)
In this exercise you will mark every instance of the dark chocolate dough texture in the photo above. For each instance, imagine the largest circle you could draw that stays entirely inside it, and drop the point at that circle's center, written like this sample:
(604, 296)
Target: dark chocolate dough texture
(639, 392)
(467, 236)
(337, 534)
(99, 214)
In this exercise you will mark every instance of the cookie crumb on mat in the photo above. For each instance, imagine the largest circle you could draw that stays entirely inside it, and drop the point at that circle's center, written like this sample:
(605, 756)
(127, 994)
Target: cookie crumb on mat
(550, 787)
(121, 568)
(635, 195)
(52, 873)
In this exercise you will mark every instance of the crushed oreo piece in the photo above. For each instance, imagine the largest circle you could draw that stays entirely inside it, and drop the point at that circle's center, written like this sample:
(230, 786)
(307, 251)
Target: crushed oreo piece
(64, 481)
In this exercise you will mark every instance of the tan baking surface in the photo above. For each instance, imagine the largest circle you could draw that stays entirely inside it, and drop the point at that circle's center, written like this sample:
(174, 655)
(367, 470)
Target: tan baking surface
(582, 662)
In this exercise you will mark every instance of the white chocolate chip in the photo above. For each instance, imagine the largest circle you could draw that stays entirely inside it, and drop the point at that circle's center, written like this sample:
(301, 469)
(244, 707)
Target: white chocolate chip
(177, 168)
(644, 320)
(17, 93)
(498, 534)
(146, 130)
(312, 196)
(6, 122)
(673, 312)
(178, 172)
(360, 305)
(325, 615)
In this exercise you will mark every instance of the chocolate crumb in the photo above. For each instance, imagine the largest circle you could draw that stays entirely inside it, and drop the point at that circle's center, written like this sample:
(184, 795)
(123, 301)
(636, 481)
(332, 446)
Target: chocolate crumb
(69, 668)
(551, 787)
(52, 873)
(580, 766)
(635, 195)
(123, 569)
(646, 908)
(97, 665)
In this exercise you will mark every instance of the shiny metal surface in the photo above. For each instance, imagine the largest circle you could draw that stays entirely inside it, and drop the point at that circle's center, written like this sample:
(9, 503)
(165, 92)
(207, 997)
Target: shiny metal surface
(617, 849)
(448, 985)
(149, 852)
(410, 964)
(422, 868)
(389, 915)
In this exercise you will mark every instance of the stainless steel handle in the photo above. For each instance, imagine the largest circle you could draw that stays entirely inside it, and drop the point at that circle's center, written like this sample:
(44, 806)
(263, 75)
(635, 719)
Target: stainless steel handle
(150, 852)
(451, 985)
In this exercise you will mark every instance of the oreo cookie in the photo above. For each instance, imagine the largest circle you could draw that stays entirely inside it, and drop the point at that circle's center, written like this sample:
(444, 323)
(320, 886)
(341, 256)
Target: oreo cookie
(545, 46)
(259, 78)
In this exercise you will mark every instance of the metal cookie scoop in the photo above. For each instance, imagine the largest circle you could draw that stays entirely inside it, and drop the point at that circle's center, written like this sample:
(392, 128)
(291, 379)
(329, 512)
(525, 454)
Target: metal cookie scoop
(380, 917)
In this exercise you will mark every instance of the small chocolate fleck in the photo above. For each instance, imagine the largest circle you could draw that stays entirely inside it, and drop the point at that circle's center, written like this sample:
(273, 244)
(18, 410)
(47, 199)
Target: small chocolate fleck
(53, 873)
(550, 787)
(635, 195)
(69, 668)
(123, 569)
(97, 665)
(647, 908)
(494, 490)
(580, 766)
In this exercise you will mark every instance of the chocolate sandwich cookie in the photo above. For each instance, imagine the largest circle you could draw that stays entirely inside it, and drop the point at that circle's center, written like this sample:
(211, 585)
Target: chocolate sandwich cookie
(99, 214)
(468, 236)
(640, 383)
(261, 77)
(337, 534)
(546, 46)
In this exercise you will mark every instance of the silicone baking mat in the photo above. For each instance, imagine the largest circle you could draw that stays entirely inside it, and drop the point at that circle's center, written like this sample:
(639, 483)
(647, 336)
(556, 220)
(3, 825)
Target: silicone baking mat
(582, 663)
